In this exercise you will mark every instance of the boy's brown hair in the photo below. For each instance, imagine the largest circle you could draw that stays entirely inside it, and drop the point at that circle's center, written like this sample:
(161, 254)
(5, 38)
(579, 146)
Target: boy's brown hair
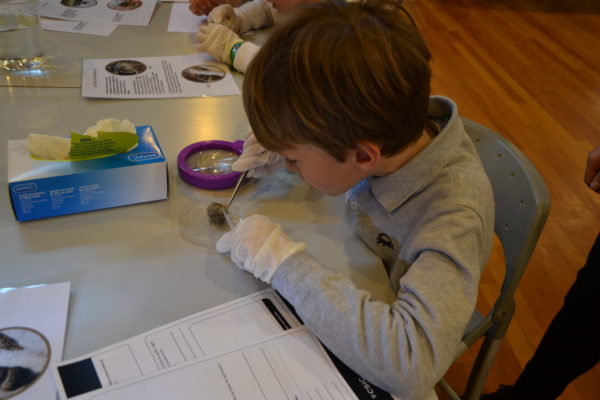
(335, 74)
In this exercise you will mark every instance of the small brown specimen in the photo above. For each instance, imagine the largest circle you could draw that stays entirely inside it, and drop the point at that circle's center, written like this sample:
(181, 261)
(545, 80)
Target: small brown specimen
(216, 214)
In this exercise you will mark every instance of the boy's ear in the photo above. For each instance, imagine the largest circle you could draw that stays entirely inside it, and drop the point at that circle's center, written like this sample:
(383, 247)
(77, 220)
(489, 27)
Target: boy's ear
(366, 156)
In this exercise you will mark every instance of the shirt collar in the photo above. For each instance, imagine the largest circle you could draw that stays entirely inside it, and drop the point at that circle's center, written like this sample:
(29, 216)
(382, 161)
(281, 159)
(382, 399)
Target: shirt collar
(394, 189)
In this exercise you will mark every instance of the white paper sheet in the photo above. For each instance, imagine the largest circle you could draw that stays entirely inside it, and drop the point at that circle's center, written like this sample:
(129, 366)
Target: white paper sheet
(122, 12)
(289, 365)
(85, 27)
(195, 75)
(182, 19)
(210, 332)
(32, 329)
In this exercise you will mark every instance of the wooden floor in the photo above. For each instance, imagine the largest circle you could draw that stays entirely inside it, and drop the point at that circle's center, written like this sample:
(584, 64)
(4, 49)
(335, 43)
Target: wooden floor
(529, 70)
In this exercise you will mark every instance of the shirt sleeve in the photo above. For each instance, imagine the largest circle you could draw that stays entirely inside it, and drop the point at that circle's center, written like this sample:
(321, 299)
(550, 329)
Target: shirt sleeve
(244, 55)
(404, 347)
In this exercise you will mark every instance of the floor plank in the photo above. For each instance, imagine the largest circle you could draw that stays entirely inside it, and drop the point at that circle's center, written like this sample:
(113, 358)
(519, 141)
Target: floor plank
(529, 70)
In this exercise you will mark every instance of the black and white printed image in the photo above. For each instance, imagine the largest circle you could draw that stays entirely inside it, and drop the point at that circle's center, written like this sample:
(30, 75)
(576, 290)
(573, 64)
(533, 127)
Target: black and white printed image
(203, 73)
(124, 5)
(79, 3)
(24, 356)
(126, 67)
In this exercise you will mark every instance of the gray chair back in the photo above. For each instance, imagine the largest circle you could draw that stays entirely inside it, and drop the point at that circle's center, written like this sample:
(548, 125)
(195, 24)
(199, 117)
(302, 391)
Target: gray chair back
(522, 204)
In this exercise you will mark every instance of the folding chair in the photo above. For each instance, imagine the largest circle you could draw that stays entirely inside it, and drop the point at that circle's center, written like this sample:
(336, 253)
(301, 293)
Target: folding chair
(522, 206)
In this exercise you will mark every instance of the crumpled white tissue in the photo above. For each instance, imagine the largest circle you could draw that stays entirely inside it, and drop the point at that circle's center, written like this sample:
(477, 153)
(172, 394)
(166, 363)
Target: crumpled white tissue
(110, 125)
(48, 147)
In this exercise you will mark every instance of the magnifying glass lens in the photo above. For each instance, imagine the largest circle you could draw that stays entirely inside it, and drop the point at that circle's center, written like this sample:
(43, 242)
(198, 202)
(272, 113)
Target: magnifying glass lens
(212, 161)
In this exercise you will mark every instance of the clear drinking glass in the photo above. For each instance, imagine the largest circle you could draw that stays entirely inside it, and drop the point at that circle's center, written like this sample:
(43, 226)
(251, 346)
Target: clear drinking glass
(20, 35)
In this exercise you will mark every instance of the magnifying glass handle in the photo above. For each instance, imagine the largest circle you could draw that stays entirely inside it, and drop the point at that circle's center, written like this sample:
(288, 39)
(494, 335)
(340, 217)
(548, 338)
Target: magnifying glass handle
(235, 190)
(228, 219)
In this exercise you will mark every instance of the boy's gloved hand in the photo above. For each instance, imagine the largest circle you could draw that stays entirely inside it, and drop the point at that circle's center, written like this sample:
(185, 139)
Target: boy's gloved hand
(256, 159)
(217, 40)
(258, 245)
(225, 15)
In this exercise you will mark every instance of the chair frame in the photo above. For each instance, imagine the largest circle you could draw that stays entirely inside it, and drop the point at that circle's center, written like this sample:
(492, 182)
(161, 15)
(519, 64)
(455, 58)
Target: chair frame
(522, 204)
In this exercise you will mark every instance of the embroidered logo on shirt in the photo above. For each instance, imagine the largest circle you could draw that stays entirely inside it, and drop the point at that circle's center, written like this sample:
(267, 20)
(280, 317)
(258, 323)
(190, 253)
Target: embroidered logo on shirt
(385, 240)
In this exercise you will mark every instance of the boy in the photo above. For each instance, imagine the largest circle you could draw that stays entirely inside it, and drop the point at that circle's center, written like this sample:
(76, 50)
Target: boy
(341, 91)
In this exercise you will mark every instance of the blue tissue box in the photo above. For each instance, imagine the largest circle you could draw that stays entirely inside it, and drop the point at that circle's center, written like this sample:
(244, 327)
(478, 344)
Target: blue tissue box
(41, 189)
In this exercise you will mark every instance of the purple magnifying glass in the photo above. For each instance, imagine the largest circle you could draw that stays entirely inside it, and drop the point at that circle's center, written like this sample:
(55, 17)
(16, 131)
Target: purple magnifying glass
(207, 164)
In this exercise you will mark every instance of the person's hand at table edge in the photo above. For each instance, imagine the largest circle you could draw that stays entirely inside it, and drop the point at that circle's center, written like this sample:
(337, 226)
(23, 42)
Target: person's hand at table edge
(592, 170)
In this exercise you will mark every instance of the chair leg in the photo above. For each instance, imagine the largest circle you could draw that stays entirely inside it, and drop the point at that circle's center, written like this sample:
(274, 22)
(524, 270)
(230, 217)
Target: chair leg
(481, 369)
(447, 389)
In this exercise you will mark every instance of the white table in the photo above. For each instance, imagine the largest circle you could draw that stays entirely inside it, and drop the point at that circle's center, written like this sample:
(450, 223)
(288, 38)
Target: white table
(129, 267)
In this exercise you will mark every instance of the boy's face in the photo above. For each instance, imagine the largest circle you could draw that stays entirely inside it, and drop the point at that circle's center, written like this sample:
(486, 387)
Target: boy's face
(320, 170)
(284, 6)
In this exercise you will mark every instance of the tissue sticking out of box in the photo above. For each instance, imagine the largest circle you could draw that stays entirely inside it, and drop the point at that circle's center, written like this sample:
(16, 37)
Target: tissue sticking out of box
(47, 147)
(108, 137)
(110, 125)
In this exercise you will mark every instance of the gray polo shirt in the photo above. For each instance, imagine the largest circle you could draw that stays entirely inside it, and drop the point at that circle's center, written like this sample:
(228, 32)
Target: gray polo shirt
(431, 222)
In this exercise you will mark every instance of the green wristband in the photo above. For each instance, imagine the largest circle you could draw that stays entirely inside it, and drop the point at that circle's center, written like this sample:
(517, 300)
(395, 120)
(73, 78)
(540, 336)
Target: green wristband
(233, 52)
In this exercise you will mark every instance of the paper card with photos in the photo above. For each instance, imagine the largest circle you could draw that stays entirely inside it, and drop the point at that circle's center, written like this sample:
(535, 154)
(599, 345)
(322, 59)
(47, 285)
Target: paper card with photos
(121, 12)
(190, 75)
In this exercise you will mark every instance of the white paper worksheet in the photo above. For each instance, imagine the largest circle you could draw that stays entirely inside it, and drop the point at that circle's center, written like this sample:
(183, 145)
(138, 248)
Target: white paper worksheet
(182, 19)
(289, 365)
(229, 326)
(84, 27)
(122, 12)
(32, 332)
(194, 75)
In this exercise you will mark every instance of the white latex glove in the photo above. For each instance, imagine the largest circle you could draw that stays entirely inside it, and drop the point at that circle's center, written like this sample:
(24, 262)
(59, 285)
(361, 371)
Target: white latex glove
(258, 245)
(217, 40)
(225, 15)
(256, 159)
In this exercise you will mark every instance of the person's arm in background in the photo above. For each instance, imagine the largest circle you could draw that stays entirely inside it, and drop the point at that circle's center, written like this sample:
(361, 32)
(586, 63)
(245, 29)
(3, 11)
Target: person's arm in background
(226, 46)
(592, 170)
(203, 7)
(252, 15)
(220, 38)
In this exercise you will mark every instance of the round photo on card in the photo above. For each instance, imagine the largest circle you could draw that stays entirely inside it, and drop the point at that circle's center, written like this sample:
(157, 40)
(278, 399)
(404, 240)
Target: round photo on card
(203, 73)
(24, 357)
(124, 5)
(126, 67)
(79, 3)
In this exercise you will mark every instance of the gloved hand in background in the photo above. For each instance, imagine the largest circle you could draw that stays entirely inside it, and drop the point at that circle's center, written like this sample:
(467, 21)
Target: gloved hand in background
(219, 41)
(225, 15)
(256, 159)
(258, 245)
(203, 7)
(251, 15)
